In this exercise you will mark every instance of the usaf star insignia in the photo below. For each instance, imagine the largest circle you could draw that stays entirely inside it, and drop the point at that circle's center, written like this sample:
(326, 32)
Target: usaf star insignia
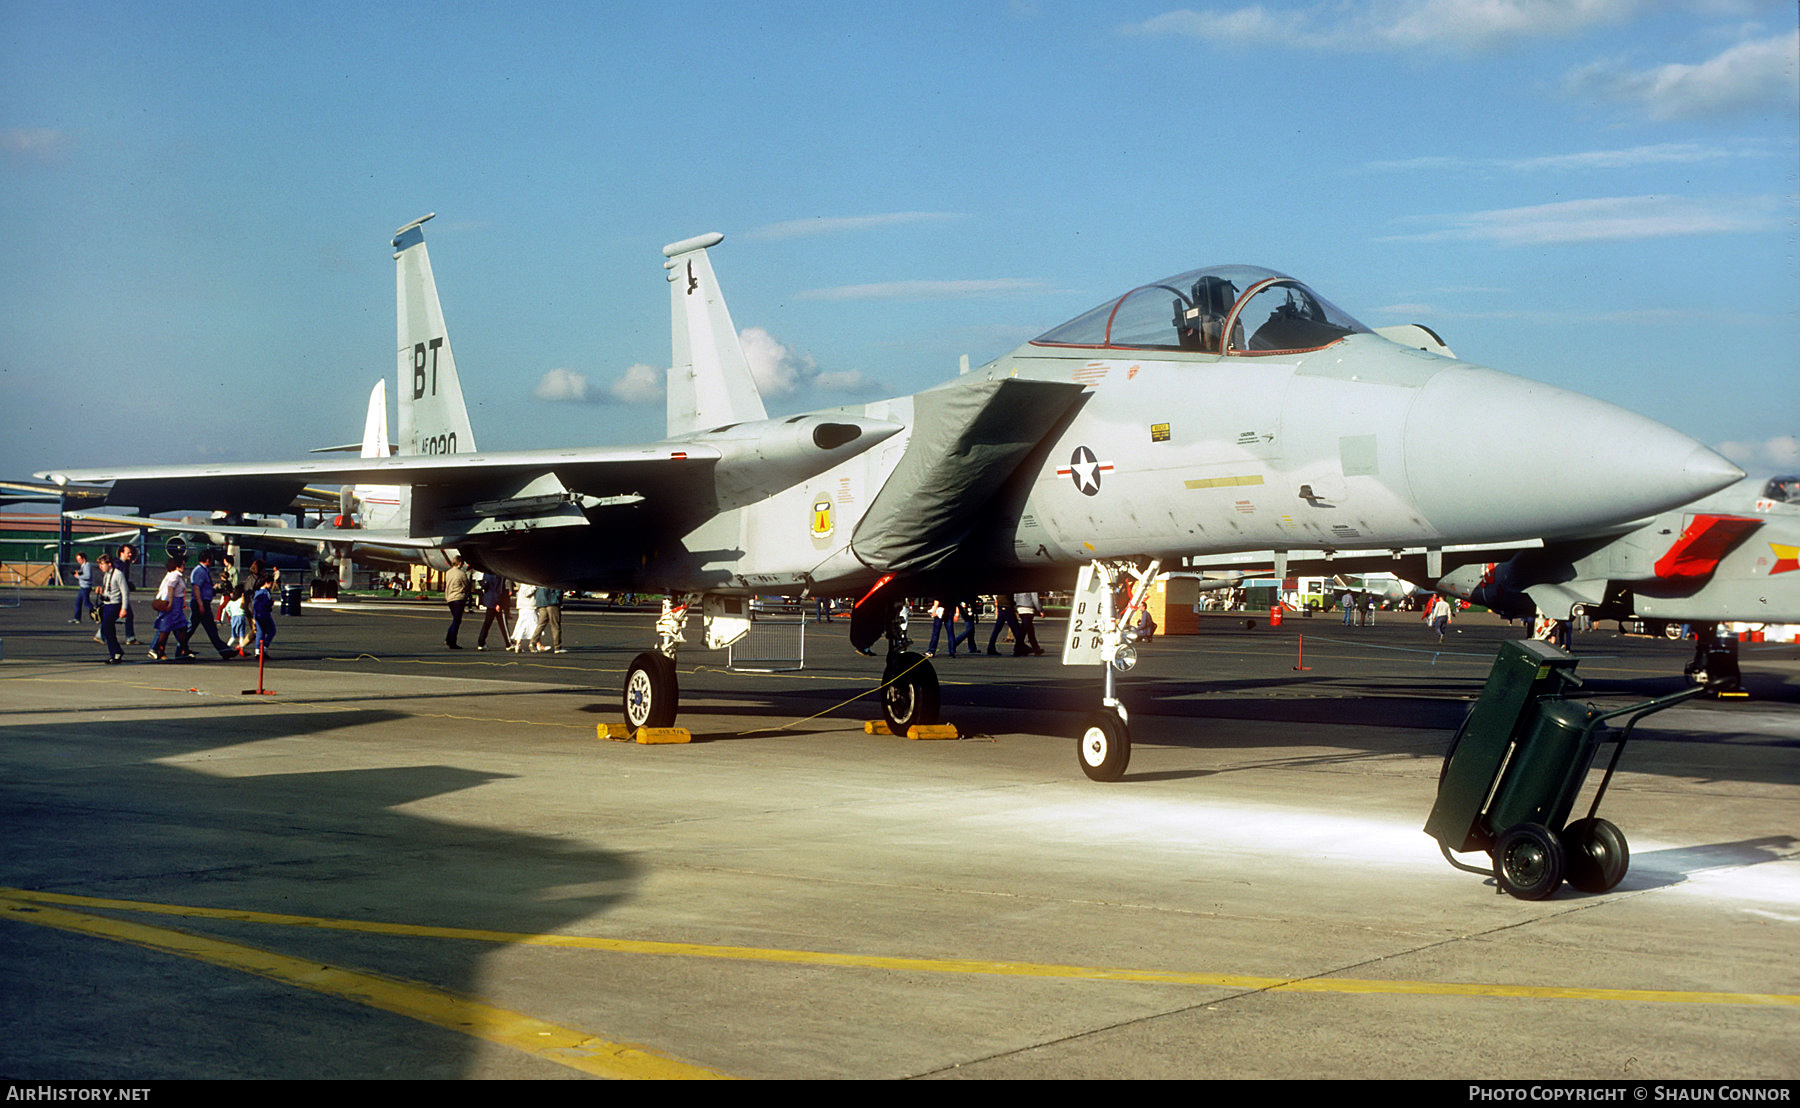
(1085, 469)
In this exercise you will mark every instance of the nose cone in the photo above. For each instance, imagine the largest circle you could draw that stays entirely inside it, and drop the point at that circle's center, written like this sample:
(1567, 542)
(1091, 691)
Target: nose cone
(1491, 457)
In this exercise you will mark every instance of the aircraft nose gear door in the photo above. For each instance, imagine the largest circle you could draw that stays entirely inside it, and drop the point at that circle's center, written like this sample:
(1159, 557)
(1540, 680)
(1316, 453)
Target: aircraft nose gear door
(1098, 637)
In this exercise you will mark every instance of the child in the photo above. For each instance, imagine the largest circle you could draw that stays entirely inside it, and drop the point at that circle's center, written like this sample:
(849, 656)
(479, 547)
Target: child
(235, 611)
(262, 609)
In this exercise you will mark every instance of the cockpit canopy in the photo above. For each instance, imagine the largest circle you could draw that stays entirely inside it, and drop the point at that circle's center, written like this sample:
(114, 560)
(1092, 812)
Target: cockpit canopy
(1229, 309)
(1784, 489)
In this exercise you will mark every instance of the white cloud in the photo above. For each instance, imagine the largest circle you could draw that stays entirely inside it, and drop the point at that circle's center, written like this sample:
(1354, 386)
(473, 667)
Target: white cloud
(35, 145)
(780, 370)
(1390, 25)
(924, 290)
(1607, 218)
(1631, 157)
(639, 384)
(853, 381)
(777, 368)
(823, 225)
(1758, 75)
(1781, 452)
(562, 385)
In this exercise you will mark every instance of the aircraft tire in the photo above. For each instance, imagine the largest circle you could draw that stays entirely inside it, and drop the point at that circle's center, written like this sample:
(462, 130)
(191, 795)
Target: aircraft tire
(1596, 853)
(652, 693)
(1528, 861)
(909, 692)
(1104, 748)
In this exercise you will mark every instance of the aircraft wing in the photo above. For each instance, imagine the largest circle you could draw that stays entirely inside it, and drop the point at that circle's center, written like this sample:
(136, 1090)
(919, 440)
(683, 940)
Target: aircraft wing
(456, 496)
(271, 486)
(30, 491)
(277, 536)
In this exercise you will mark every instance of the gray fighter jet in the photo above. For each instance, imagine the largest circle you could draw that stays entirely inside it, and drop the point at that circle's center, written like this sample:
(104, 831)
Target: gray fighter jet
(1223, 409)
(1732, 557)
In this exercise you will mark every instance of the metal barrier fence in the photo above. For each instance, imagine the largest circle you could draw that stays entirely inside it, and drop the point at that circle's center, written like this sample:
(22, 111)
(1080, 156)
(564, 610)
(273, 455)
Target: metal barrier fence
(776, 642)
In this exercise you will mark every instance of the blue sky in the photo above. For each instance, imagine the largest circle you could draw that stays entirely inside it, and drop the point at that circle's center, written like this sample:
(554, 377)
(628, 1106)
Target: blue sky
(196, 199)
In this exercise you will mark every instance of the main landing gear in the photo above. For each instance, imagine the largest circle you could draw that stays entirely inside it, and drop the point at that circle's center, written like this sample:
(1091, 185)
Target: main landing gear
(909, 684)
(652, 691)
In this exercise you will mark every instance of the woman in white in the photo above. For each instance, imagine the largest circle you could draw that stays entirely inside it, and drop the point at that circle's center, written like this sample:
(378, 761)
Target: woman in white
(526, 629)
(172, 607)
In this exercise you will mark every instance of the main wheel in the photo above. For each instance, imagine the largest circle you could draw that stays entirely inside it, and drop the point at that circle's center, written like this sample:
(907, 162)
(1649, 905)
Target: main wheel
(652, 694)
(1528, 861)
(1596, 855)
(1105, 747)
(909, 692)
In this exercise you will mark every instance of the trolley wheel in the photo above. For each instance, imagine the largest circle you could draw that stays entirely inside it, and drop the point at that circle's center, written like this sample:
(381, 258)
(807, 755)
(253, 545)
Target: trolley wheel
(652, 694)
(1528, 861)
(909, 692)
(1596, 854)
(1104, 747)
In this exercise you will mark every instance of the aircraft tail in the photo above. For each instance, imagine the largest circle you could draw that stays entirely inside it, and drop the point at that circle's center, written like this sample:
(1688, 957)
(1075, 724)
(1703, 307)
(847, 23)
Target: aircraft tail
(433, 417)
(380, 506)
(375, 426)
(709, 378)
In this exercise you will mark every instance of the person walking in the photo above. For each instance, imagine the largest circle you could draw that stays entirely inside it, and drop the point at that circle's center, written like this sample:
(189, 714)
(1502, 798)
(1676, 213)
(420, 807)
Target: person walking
(113, 592)
(262, 611)
(86, 578)
(943, 612)
(200, 606)
(970, 610)
(1006, 616)
(525, 631)
(171, 610)
(127, 555)
(1029, 609)
(493, 602)
(550, 602)
(456, 595)
(1440, 617)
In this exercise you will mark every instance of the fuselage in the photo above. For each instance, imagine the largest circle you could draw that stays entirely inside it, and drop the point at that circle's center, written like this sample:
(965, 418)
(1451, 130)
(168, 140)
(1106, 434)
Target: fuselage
(1220, 410)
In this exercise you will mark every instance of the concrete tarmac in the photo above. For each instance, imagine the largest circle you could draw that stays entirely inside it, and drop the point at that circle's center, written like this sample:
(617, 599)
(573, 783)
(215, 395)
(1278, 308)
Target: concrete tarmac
(406, 861)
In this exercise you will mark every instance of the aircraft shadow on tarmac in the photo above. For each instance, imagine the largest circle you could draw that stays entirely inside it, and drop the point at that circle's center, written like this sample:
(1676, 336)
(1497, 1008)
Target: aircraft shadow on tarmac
(96, 809)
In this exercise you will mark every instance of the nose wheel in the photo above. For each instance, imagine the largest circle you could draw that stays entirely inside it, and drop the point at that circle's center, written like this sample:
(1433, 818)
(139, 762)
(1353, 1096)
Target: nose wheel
(1105, 747)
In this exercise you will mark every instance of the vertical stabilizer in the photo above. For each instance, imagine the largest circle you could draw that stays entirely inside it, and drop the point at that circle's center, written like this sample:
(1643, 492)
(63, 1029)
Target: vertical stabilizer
(375, 426)
(380, 506)
(709, 379)
(433, 418)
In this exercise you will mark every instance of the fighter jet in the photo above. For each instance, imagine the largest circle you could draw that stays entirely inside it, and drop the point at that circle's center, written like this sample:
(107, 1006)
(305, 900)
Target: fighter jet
(1723, 558)
(1223, 409)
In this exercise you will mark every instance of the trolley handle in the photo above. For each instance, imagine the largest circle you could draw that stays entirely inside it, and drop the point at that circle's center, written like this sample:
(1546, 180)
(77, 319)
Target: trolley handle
(1641, 711)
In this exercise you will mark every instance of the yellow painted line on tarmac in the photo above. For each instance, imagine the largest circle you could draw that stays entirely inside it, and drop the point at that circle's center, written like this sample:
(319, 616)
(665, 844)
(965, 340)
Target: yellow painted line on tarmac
(1238, 982)
(552, 1042)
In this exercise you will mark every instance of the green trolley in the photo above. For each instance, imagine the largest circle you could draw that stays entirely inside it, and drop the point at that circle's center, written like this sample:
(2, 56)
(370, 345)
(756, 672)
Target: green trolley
(1515, 769)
